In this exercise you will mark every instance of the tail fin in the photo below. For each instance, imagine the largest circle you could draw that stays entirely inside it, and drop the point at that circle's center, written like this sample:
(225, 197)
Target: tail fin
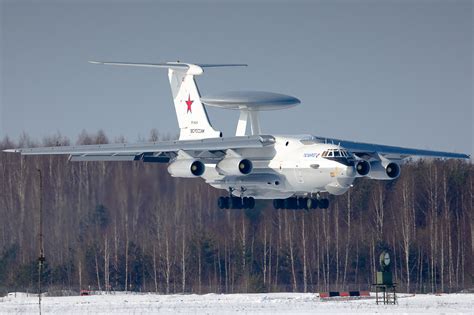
(192, 116)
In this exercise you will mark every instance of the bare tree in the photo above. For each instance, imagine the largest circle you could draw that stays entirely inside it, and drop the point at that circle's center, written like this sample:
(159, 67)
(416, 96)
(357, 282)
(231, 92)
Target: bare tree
(348, 239)
(303, 240)
(407, 227)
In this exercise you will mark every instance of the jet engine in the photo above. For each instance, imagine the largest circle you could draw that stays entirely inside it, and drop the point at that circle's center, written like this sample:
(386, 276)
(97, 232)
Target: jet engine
(389, 170)
(362, 167)
(187, 168)
(234, 166)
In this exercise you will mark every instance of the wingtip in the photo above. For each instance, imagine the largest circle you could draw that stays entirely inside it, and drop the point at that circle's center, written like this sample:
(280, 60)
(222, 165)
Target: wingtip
(95, 62)
(11, 151)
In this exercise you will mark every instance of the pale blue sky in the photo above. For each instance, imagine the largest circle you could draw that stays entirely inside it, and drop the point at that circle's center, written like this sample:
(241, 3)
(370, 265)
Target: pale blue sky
(392, 72)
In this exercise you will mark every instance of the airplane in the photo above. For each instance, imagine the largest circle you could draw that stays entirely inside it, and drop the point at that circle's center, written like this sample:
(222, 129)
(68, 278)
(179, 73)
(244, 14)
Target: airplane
(293, 171)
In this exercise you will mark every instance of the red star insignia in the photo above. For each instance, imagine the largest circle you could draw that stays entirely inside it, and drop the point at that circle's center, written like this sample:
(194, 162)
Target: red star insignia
(189, 103)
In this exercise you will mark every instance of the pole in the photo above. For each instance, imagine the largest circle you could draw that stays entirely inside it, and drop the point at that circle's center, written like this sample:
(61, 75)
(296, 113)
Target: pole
(41, 258)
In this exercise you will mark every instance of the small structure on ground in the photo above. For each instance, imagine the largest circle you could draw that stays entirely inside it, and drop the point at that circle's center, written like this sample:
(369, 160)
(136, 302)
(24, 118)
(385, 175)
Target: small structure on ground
(384, 281)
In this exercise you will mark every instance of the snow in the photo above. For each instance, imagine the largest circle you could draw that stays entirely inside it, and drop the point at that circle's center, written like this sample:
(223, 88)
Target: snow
(265, 303)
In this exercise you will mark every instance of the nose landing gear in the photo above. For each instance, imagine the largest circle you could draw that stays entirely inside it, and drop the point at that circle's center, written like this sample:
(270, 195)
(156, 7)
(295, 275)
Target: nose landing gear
(232, 202)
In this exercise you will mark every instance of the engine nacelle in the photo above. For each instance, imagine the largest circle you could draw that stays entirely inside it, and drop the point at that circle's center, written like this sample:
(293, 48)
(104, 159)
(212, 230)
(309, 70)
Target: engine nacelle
(362, 168)
(234, 166)
(187, 168)
(391, 170)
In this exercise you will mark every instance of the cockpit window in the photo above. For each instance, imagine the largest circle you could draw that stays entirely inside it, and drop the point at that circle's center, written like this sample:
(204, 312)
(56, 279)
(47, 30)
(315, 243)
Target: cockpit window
(336, 153)
(339, 155)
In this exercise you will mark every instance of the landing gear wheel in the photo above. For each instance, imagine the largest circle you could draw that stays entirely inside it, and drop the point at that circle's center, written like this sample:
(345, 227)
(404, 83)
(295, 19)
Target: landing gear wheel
(324, 203)
(248, 202)
(312, 203)
(309, 203)
(302, 203)
(236, 203)
(245, 202)
(220, 202)
(291, 203)
(278, 203)
(251, 203)
(223, 202)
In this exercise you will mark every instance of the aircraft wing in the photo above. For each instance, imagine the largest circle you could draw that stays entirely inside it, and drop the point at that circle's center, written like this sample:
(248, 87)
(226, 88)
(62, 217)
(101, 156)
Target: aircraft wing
(161, 151)
(370, 150)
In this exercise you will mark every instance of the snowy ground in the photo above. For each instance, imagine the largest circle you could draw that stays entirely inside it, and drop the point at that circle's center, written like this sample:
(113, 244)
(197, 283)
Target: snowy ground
(271, 303)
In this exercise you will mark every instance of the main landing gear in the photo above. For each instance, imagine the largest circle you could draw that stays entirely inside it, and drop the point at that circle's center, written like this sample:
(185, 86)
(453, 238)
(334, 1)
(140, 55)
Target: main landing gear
(292, 203)
(295, 203)
(236, 203)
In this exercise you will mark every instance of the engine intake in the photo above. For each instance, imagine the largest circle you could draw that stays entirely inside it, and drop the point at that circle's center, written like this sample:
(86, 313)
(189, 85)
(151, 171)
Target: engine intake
(392, 170)
(186, 168)
(363, 168)
(379, 171)
(234, 166)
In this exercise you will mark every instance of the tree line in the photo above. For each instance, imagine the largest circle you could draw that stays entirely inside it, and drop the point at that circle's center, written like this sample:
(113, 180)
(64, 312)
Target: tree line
(130, 226)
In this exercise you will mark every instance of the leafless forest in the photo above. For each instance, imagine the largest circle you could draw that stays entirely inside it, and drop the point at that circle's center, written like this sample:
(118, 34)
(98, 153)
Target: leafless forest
(130, 226)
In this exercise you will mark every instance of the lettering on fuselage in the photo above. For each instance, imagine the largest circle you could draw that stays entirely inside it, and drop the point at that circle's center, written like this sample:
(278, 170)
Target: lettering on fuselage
(197, 130)
(311, 155)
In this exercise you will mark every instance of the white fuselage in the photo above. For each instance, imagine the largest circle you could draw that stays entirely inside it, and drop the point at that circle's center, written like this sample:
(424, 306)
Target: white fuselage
(292, 166)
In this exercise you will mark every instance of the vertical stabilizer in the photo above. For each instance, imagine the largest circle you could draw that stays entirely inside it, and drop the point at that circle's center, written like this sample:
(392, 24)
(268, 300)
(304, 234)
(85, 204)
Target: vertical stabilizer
(192, 116)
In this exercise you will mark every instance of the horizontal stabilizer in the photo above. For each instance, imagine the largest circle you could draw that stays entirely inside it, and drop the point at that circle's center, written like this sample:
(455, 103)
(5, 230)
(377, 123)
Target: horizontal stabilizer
(172, 65)
(136, 64)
